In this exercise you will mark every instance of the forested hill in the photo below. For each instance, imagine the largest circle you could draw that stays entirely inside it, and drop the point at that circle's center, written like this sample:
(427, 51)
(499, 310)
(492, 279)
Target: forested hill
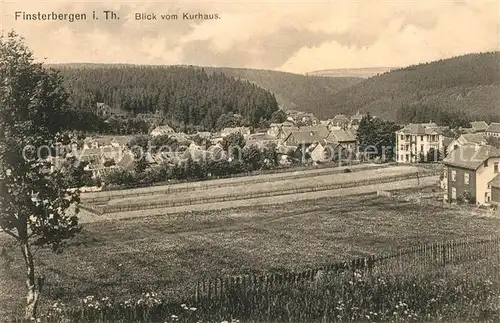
(294, 91)
(450, 90)
(182, 96)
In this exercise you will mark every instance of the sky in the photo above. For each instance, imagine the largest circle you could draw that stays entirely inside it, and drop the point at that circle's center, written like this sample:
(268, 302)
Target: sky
(291, 36)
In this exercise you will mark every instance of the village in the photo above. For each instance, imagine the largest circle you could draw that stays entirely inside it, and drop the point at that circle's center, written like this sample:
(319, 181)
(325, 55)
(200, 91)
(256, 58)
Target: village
(470, 155)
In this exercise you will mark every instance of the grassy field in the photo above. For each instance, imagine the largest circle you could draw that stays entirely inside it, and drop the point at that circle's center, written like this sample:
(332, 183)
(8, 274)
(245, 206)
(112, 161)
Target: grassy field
(129, 257)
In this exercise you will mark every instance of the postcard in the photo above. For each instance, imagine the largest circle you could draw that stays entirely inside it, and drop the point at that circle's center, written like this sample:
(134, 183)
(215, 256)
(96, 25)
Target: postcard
(249, 161)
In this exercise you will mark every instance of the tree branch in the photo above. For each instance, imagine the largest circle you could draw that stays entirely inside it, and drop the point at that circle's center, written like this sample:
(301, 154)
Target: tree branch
(12, 234)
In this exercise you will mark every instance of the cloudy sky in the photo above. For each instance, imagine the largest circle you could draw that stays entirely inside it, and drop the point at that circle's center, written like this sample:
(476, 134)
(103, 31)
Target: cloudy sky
(293, 36)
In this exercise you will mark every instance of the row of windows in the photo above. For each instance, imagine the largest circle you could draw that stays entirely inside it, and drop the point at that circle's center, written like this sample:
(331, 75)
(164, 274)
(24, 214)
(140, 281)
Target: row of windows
(466, 175)
(454, 177)
(429, 137)
(487, 197)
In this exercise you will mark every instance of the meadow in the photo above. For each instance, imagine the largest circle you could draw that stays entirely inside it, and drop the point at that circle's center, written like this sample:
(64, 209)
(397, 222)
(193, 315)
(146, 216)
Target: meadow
(169, 254)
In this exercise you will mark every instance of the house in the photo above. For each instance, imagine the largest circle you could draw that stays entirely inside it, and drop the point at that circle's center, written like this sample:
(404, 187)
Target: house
(162, 130)
(245, 131)
(478, 126)
(302, 138)
(495, 190)
(346, 138)
(469, 172)
(308, 119)
(276, 128)
(356, 120)
(204, 134)
(261, 140)
(120, 141)
(327, 152)
(340, 121)
(180, 137)
(284, 132)
(416, 139)
(493, 130)
(322, 130)
(468, 138)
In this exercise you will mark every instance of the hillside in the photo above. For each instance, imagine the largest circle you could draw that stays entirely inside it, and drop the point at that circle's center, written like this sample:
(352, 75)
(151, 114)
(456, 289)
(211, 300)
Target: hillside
(466, 87)
(185, 97)
(294, 91)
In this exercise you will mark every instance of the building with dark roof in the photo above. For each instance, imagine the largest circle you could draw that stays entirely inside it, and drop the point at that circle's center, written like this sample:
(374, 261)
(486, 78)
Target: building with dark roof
(469, 172)
(478, 126)
(415, 139)
(493, 130)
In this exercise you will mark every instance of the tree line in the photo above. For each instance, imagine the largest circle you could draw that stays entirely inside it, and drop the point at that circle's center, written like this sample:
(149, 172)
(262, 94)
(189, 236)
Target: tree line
(135, 97)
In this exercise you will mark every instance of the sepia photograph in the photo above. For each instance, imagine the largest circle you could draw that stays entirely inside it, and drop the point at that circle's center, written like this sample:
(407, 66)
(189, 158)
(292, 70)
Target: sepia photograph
(241, 161)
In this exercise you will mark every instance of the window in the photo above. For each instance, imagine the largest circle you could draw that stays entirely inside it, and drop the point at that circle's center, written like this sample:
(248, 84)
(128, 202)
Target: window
(453, 175)
(402, 137)
(402, 147)
(421, 147)
(495, 167)
(466, 178)
(453, 193)
(486, 163)
(421, 138)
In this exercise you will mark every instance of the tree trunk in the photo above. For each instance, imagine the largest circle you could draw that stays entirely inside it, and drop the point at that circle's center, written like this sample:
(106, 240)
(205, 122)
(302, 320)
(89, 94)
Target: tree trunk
(31, 283)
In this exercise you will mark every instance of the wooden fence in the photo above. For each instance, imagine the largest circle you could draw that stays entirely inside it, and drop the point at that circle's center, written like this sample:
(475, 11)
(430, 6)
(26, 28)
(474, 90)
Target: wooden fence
(420, 258)
(104, 209)
(105, 196)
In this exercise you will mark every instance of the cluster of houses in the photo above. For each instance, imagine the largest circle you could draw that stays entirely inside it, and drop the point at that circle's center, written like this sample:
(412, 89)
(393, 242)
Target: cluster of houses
(301, 133)
(471, 164)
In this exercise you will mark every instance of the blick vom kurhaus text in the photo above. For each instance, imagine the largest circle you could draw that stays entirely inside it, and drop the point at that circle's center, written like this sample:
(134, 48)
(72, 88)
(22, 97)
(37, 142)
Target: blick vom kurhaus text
(111, 15)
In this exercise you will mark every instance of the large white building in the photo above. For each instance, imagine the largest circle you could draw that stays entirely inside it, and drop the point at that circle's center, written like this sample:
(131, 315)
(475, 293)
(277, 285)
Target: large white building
(417, 138)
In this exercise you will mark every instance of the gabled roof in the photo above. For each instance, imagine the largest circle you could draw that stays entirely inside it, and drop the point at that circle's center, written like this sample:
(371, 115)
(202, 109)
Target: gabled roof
(260, 136)
(340, 117)
(341, 136)
(495, 182)
(471, 156)
(122, 140)
(420, 129)
(494, 127)
(479, 125)
(322, 130)
(306, 137)
(473, 138)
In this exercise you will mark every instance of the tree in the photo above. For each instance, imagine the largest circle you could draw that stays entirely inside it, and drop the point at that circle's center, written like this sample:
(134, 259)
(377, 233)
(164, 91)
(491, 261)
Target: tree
(233, 144)
(433, 155)
(377, 137)
(253, 157)
(140, 147)
(34, 200)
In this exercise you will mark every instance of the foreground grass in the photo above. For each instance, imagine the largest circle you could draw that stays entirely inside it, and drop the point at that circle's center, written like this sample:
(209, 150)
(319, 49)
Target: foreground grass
(123, 259)
(455, 293)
